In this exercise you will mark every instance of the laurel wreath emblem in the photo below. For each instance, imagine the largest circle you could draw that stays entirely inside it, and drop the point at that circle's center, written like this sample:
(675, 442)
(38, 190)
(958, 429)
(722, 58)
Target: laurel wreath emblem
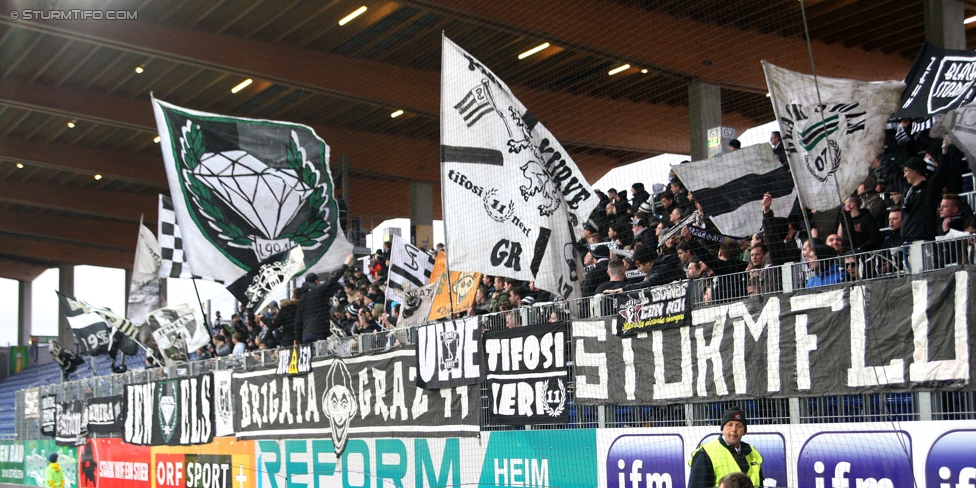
(307, 234)
(555, 412)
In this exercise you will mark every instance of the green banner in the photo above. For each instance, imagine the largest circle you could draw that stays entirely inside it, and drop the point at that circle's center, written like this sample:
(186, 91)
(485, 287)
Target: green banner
(18, 359)
(12, 462)
(35, 462)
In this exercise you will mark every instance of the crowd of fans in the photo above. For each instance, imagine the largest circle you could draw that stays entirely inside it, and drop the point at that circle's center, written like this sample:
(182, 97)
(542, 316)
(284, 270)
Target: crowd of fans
(640, 240)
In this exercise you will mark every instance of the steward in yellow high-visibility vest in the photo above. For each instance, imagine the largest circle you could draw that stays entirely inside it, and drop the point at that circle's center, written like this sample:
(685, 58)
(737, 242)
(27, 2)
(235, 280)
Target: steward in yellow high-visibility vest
(727, 454)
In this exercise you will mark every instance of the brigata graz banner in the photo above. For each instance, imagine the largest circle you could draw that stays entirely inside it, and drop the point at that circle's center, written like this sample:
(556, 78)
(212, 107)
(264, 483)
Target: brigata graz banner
(176, 412)
(528, 374)
(344, 398)
(894, 334)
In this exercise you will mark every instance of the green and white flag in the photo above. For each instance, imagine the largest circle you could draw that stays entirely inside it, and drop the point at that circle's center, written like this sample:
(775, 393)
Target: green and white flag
(247, 189)
(832, 130)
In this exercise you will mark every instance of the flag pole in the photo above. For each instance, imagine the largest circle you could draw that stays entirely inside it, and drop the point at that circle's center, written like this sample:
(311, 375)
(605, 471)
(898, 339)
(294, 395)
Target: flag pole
(789, 160)
(816, 85)
(206, 320)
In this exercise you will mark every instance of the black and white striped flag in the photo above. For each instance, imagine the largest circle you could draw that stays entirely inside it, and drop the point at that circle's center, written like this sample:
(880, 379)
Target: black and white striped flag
(476, 104)
(730, 187)
(408, 264)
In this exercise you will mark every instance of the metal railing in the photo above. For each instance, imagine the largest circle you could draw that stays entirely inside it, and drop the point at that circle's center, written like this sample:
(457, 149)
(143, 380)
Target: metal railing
(922, 257)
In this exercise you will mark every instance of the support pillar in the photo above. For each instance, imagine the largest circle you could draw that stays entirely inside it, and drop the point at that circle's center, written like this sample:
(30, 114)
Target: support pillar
(422, 215)
(944, 23)
(704, 112)
(25, 298)
(66, 285)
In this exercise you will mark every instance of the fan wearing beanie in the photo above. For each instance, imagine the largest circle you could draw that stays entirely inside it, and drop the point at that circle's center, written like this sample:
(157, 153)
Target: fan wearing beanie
(54, 477)
(725, 455)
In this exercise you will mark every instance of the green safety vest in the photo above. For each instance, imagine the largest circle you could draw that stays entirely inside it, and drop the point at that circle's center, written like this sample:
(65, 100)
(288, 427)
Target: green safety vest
(723, 462)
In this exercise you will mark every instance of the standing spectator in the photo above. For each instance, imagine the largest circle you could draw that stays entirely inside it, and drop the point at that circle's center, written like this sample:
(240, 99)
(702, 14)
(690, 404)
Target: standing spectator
(950, 211)
(312, 317)
(870, 199)
(615, 270)
(864, 233)
(239, 346)
(821, 261)
(221, 346)
(776, 141)
(734, 145)
(922, 190)
(640, 196)
(598, 257)
(54, 476)
(285, 321)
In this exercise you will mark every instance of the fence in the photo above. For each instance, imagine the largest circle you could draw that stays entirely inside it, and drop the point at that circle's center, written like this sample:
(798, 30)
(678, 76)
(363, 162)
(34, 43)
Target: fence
(882, 407)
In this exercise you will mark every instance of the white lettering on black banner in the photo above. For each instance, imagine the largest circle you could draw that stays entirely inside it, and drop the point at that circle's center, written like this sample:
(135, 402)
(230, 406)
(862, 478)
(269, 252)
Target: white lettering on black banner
(527, 374)
(448, 354)
(844, 339)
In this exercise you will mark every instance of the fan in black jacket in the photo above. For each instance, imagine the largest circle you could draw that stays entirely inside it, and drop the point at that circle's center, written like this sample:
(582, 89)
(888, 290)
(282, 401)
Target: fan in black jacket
(314, 308)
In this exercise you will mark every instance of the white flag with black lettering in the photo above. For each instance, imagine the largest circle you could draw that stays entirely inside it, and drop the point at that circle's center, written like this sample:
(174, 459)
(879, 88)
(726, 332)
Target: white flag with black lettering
(730, 187)
(178, 331)
(832, 129)
(144, 287)
(513, 199)
(408, 264)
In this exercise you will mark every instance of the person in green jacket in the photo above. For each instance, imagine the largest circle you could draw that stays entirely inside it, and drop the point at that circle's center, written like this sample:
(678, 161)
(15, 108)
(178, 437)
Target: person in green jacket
(727, 454)
(54, 477)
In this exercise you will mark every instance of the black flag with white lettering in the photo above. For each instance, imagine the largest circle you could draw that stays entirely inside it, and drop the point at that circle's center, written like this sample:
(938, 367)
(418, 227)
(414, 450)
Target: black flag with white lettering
(105, 415)
(49, 414)
(940, 80)
(371, 395)
(652, 308)
(449, 354)
(177, 412)
(527, 374)
(71, 427)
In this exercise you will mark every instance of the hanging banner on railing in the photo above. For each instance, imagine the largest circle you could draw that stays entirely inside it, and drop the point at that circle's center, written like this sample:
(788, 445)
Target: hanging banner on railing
(32, 403)
(111, 463)
(174, 412)
(653, 308)
(895, 334)
(295, 360)
(342, 398)
(72, 425)
(223, 403)
(449, 354)
(105, 415)
(49, 414)
(527, 374)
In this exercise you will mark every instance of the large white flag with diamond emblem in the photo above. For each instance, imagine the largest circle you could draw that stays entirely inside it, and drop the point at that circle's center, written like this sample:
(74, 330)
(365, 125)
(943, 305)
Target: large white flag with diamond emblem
(832, 130)
(246, 189)
(513, 199)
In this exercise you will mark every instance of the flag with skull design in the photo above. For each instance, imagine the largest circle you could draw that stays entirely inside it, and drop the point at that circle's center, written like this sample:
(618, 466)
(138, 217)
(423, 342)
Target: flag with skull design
(245, 190)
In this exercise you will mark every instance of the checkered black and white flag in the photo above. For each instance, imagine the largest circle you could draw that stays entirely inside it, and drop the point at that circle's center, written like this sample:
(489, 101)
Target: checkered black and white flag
(173, 262)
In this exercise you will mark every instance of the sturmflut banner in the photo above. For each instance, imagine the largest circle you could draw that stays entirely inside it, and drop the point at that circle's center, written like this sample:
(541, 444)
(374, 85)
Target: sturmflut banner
(514, 200)
(105, 415)
(883, 335)
(449, 354)
(348, 398)
(176, 412)
(528, 374)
